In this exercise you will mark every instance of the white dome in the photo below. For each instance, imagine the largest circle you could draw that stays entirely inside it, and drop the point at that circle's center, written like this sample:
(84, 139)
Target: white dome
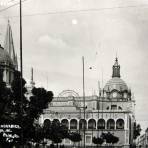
(115, 84)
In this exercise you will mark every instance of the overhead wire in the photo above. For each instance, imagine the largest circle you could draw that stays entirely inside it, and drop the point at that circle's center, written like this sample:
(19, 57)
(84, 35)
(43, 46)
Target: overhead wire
(73, 11)
(11, 6)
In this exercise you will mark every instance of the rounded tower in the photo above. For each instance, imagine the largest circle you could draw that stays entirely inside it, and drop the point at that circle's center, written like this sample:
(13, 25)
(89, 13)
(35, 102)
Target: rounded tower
(116, 87)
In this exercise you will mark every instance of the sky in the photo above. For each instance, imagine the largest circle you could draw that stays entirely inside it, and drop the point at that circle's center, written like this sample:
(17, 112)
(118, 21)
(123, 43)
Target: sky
(56, 34)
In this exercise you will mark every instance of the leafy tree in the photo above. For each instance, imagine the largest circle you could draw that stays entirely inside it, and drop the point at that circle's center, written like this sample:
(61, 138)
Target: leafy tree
(115, 139)
(137, 130)
(107, 137)
(74, 137)
(110, 138)
(55, 131)
(47, 129)
(23, 111)
(98, 140)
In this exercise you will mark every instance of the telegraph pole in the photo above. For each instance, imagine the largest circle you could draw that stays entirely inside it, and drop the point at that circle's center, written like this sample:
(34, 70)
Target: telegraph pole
(83, 97)
(21, 75)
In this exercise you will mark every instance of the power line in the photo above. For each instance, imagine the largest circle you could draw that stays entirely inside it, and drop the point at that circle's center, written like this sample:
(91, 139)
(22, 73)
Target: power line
(11, 6)
(75, 11)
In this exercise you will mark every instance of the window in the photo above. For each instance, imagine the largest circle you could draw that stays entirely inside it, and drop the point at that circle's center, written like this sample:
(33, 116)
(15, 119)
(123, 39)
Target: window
(82, 124)
(47, 123)
(120, 124)
(65, 123)
(120, 108)
(110, 124)
(73, 124)
(91, 124)
(107, 108)
(113, 107)
(101, 124)
(88, 139)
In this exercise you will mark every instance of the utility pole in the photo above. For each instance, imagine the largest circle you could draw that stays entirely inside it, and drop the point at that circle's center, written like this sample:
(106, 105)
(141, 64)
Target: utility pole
(83, 97)
(21, 75)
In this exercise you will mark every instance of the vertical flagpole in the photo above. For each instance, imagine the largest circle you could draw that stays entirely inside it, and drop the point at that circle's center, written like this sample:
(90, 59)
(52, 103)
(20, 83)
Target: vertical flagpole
(83, 97)
(21, 71)
(21, 59)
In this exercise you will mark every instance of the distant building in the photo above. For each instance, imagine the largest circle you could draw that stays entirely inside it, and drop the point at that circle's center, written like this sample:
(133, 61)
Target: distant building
(8, 58)
(142, 141)
(111, 111)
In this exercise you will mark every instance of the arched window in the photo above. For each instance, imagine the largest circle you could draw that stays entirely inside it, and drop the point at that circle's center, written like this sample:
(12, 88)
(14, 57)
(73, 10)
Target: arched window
(56, 120)
(110, 124)
(82, 124)
(73, 124)
(91, 124)
(46, 123)
(101, 124)
(65, 123)
(120, 124)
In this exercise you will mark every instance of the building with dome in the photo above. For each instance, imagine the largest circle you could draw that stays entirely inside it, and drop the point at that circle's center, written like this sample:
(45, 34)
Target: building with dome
(8, 58)
(111, 111)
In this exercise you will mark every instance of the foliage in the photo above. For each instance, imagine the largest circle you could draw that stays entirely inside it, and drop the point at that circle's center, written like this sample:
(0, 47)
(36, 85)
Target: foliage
(110, 138)
(137, 130)
(75, 137)
(115, 139)
(98, 140)
(23, 111)
(55, 131)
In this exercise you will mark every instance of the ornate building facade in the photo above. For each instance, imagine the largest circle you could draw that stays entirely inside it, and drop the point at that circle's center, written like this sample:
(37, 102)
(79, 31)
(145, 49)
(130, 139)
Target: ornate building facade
(8, 58)
(111, 111)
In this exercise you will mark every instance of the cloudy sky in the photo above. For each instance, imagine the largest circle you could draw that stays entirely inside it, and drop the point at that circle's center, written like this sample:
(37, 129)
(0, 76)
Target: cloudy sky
(57, 33)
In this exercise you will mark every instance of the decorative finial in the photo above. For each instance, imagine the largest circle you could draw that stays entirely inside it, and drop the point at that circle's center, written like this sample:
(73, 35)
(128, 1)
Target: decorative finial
(116, 56)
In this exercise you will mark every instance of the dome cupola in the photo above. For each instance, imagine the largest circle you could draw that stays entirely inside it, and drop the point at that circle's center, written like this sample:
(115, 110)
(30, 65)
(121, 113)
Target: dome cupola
(116, 83)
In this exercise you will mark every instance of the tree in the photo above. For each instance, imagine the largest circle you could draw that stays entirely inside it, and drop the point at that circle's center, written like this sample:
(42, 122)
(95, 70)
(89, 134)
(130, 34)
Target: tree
(74, 137)
(98, 140)
(23, 111)
(115, 139)
(110, 138)
(137, 130)
(107, 137)
(55, 131)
